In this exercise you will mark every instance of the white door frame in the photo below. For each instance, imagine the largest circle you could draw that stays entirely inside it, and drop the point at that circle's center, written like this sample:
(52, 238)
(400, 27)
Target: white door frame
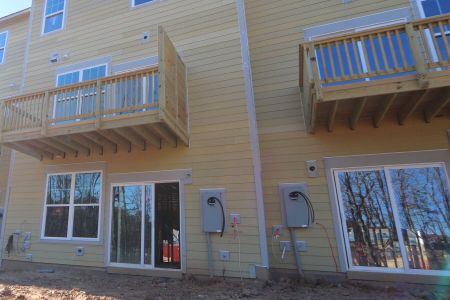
(405, 269)
(141, 264)
(181, 216)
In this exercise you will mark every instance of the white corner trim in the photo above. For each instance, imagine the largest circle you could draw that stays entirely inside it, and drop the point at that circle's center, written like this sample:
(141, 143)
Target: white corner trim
(5, 207)
(253, 128)
(27, 50)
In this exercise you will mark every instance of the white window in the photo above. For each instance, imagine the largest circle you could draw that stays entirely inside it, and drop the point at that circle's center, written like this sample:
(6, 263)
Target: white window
(431, 8)
(3, 40)
(80, 75)
(395, 218)
(54, 15)
(140, 2)
(79, 101)
(72, 206)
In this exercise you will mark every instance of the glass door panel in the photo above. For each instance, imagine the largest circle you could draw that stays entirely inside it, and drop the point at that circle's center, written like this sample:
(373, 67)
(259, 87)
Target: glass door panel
(145, 225)
(148, 226)
(126, 225)
(422, 198)
(167, 225)
(368, 219)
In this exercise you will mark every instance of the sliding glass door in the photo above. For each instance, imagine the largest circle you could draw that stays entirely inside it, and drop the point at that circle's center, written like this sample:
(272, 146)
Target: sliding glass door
(396, 218)
(145, 225)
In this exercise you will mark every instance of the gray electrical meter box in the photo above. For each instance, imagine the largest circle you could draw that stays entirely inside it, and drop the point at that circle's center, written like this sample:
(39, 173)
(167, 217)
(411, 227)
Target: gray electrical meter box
(212, 202)
(295, 210)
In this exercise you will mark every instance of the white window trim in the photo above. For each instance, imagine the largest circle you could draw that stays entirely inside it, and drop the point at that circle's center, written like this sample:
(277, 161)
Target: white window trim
(80, 72)
(181, 241)
(374, 161)
(382, 19)
(4, 47)
(45, 16)
(385, 168)
(80, 79)
(430, 44)
(72, 206)
(419, 7)
(134, 6)
(135, 65)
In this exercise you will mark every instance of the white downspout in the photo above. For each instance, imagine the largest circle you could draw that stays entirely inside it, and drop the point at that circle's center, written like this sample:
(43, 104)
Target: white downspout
(249, 94)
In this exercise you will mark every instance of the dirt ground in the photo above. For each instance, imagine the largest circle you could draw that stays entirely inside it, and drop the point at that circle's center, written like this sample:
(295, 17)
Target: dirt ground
(84, 285)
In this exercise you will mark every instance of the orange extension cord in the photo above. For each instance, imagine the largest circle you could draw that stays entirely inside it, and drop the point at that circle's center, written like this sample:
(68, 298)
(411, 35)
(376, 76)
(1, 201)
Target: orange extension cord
(329, 243)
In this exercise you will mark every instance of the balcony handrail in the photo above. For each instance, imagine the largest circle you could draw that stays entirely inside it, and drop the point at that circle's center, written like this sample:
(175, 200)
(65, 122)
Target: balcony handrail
(155, 68)
(413, 49)
(348, 35)
(340, 36)
(122, 93)
(152, 99)
(384, 51)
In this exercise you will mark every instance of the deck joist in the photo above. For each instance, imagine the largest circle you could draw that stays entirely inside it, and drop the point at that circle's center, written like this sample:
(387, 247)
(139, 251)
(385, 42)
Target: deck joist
(135, 110)
(386, 76)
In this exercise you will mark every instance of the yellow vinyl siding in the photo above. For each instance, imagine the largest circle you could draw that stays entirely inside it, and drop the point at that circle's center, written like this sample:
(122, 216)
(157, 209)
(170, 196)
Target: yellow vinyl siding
(11, 68)
(11, 79)
(207, 36)
(275, 30)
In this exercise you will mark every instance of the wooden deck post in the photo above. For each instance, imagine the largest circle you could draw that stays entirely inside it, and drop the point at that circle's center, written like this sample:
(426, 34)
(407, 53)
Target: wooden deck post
(44, 116)
(161, 71)
(315, 71)
(419, 62)
(301, 65)
(98, 108)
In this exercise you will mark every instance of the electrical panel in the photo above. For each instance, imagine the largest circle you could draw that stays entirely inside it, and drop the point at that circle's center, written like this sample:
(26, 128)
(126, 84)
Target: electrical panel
(295, 209)
(212, 202)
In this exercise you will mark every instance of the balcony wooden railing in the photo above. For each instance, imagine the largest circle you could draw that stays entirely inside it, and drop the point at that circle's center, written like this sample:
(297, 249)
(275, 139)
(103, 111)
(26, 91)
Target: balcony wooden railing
(148, 105)
(98, 99)
(346, 66)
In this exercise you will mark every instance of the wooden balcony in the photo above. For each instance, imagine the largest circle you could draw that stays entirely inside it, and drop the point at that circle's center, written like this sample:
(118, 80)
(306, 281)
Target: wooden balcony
(136, 110)
(396, 70)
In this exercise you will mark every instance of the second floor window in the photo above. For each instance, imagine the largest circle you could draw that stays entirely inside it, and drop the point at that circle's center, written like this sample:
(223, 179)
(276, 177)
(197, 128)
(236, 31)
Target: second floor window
(81, 75)
(435, 7)
(437, 45)
(54, 15)
(139, 2)
(3, 38)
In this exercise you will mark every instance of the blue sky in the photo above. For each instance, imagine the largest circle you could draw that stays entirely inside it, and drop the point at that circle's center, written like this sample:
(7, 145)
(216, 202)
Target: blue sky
(11, 6)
